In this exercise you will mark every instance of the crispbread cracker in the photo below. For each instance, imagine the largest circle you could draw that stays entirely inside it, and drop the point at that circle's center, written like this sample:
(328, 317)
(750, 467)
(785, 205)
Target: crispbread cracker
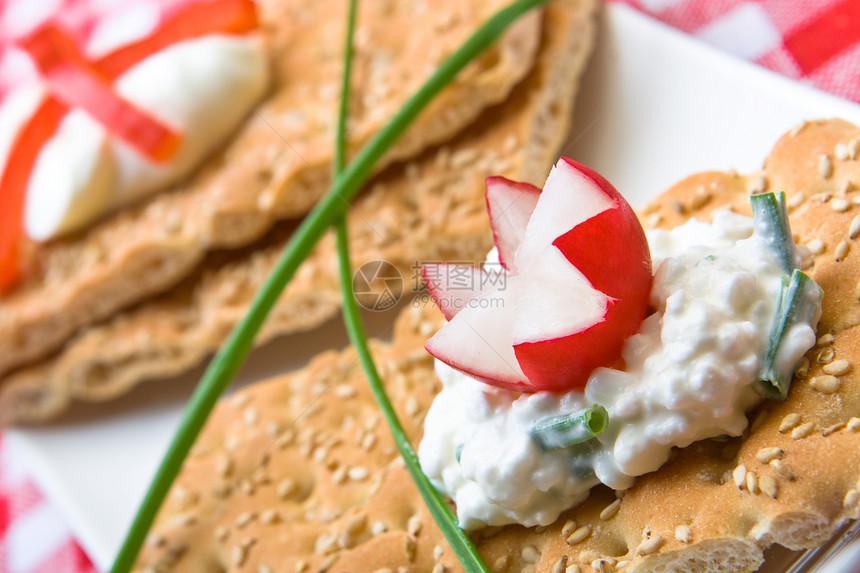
(279, 162)
(429, 209)
(299, 473)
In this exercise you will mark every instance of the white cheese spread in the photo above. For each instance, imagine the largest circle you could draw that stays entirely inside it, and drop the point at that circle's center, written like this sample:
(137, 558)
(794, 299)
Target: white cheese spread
(688, 376)
(202, 88)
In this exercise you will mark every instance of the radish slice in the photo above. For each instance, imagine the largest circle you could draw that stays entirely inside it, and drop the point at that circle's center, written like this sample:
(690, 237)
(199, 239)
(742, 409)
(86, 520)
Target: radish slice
(452, 287)
(579, 285)
(79, 83)
(479, 343)
(510, 205)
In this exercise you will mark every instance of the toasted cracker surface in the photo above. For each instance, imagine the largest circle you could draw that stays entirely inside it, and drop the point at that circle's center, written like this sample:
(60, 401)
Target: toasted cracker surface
(279, 162)
(428, 209)
(299, 474)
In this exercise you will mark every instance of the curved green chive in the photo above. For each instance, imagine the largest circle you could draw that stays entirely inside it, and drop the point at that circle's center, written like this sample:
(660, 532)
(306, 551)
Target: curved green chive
(570, 429)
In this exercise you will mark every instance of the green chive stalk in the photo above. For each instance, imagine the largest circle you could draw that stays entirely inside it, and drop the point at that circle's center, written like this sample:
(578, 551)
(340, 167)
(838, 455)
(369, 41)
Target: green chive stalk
(233, 353)
(570, 429)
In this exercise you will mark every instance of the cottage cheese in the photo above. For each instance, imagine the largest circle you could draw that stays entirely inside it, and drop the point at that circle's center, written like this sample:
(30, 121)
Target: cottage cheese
(202, 88)
(689, 374)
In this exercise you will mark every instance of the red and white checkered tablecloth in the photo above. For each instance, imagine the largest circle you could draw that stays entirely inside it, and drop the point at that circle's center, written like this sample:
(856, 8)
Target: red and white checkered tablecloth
(816, 42)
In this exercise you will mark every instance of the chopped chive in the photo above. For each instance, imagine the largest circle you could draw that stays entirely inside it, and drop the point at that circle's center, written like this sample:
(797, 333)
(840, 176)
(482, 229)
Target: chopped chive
(232, 354)
(770, 221)
(570, 429)
(799, 303)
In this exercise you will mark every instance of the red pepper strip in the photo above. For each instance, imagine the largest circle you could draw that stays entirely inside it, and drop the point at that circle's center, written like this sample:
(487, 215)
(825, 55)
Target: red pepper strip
(199, 19)
(13, 185)
(78, 83)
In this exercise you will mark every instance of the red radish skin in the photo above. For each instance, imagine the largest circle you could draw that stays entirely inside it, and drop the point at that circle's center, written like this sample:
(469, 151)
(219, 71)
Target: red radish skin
(452, 286)
(608, 285)
(510, 205)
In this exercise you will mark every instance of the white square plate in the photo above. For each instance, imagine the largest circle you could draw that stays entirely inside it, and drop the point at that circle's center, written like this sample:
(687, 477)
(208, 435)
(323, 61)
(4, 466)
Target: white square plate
(655, 106)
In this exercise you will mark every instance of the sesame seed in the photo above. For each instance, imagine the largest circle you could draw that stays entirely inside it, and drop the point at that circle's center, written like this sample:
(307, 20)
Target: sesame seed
(766, 455)
(853, 424)
(246, 487)
(413, 526)
(339, 475)
(768, 486)
(649, 546)
(683, 533)
(222, 533)
(345, 391)
(600, 565)
(833, 429)
(826, 356)
(837, 367)
(155, 540)
(264, 569)
(815, 246)
(825, 166)
(852, 496)
(285, 487)
(438, 552)
(346, 540)
(239, 555)
(245, 518)
(841, 251)
(825, 339)
(854, 229)
(439, 568)
(530, 554)
(368, 441)
(568, 528)
(840, 205)
(500, 563)
(224, 467)
(752, 483)
(826, 384)
(802, 430)
(701, 196)
(803, 369)
(653, 220)
(560, 565)
(411, 406)
(251, 416)
(579, 535)
(854, 148)
(303, 566)
(328, 562)
(622, 564)
(796, 200)
(240, 400)
(378, 528)
(676, 206)
(573, 568)
(842, 152)
(790, 422)
(610, 510)
(740, 476)
(784, 470)
(358, 473)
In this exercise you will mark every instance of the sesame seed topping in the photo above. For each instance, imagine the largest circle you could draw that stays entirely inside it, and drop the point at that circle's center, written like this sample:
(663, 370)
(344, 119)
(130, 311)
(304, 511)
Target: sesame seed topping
(825, 166)
(854, 148)
(790, 422)
(825, 339)
(854, 229)
(601, 565)
(439, 568)
(222, 533)
(622, 564)
(740, 476)
(438, 552)
(683, 533)
(833, 429)
(239, 555)
(796, 200)
(339, 475)
(224, 467)
(837, 367)
(610, 510)
(413, 526)
(766, 455)
(852, 496)
(569, 527)
(378, 528)
(676, 206)
(649, 546)
(358, 473)
(826, 356)
(653, 220)
(560, 565)
(530, 554)
(345, 391)
(500, 563)
(842, 152)
(841, 251)
(802, 430)
(251, 416)
(245, 518)
(411, 406)
(853, 424)
(783, 469)
(826, 384)
(752, 482)
(302, 565)
(768, 486)
(264, 569)
(286, 487)
(840, 205)
(409, 547)
(815, 246)
(581, 534)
